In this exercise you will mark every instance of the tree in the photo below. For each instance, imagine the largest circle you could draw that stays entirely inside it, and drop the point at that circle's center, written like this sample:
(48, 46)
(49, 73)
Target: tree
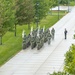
(59, 73)
(41, 9)
(64, 2)
(6, 16)
(30, 12)
(24, 12)
(52, 3)
(70, 60)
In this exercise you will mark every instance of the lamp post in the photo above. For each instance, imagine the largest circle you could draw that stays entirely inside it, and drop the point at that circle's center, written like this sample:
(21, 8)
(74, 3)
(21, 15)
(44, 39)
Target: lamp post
(1, 39)
(51, 10)
(68, 5)
(37, 14)
(15, 30)
(58, 9)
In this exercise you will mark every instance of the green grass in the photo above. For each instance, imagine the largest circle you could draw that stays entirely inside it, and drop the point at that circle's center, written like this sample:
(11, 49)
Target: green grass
(72, 3)
(60, 12)
(12, 45)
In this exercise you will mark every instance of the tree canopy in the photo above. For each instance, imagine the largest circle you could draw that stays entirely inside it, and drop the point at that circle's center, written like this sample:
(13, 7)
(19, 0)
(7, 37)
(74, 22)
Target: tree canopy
(24, 11)
(6, 15)
(41, 9)
(70, 60)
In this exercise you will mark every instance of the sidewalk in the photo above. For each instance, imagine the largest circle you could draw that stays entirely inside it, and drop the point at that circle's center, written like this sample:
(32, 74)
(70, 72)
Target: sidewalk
(49, 58)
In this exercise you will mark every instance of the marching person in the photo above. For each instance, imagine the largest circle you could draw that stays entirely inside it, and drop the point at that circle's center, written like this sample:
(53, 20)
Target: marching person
(53, 33)
(49, 38)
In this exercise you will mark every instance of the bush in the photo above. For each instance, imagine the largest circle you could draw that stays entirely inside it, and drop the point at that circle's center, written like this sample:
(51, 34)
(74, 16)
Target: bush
(59, 73)
(70, 60)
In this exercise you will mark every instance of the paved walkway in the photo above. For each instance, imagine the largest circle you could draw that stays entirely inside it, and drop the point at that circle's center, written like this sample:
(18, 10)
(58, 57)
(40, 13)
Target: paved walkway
(50, 58)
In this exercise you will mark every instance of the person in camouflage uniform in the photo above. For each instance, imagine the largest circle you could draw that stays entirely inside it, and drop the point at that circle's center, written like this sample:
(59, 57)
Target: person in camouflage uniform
(53, 33)
(45, 35)
(33, 42)
(24, 43)
(28, 40)
(38, 42)
(49, 38)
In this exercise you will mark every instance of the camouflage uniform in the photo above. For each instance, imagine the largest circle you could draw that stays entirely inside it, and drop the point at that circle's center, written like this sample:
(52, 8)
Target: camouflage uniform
(53, 33)
(45, 36)
(24, 43)
(38, 43)
(49, 38)
(28, 40)
(33, 42)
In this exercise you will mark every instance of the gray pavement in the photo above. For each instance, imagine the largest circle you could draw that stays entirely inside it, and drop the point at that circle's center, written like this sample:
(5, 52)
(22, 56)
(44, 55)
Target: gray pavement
(49, 58)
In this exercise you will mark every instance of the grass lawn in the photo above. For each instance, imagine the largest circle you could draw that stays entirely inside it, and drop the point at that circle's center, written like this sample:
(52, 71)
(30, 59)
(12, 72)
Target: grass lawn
(12, 45)
(72, 3)
(60, 12)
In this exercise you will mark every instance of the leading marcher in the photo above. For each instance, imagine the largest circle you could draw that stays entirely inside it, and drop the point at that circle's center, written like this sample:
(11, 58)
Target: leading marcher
(53, 33)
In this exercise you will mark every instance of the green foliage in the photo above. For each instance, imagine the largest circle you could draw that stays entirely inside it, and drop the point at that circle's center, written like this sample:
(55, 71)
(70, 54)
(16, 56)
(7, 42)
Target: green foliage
(74, 36)
(70, 60)
(72, 3)
(41, 9)
(53, 3)
(1, 18)
(24, 11)
(64, 2)
(6, 15)
(67, 2)
(59, 73)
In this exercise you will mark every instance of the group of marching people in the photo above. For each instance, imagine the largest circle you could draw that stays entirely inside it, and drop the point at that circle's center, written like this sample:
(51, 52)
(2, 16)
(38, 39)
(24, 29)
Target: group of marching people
(37, 38)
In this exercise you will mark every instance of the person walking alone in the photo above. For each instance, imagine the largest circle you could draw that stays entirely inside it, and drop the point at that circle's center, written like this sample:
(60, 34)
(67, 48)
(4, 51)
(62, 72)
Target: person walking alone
(65, 33)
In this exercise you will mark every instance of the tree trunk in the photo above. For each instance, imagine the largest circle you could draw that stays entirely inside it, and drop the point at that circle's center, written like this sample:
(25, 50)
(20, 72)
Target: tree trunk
(1, 40)
(37, 24)
(28, 25)
(51, 10)
(15, 30)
